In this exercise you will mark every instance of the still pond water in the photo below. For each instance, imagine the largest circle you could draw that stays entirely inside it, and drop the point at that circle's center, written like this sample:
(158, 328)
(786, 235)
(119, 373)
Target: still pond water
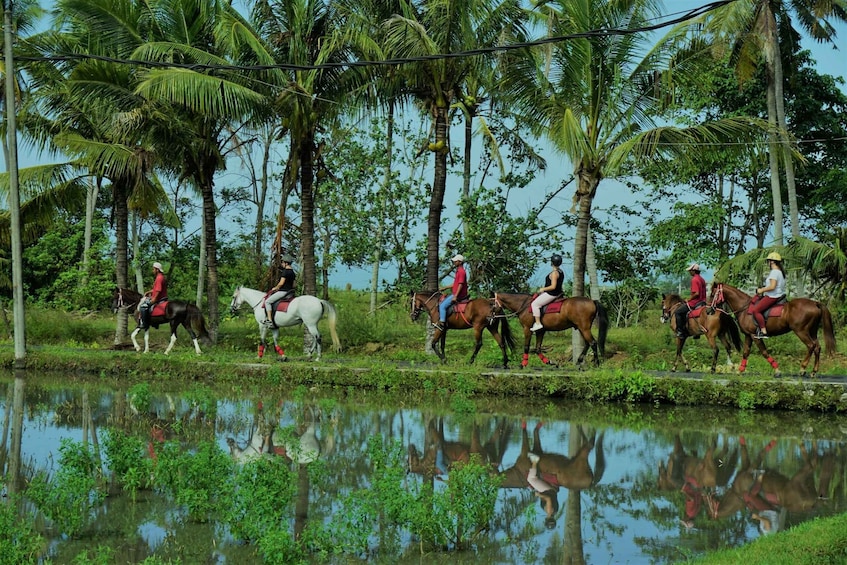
(633, 484)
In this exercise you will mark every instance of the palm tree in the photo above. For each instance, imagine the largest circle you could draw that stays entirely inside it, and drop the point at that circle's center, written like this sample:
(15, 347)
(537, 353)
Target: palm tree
(196, 110)
(752, 27)
(435, 27)
(593, 98)
(305, 34)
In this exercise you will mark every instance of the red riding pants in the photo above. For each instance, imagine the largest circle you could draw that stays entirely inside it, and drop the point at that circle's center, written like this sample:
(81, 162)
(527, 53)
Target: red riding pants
(758, 307)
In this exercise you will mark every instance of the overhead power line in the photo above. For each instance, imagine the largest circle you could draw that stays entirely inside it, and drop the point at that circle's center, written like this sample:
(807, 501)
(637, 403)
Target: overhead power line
(682, 17)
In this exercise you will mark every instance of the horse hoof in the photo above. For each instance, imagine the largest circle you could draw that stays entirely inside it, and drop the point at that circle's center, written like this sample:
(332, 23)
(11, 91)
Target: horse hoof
(282, 358)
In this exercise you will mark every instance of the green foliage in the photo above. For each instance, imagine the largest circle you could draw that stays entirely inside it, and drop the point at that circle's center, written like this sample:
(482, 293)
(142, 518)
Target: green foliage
(70, 497)
(633, 386)
(200, 480)
(100, 555)
(503, 249)
(53, 264)
(263, 489)
(139, 397)
(128, 461)
(19, 542)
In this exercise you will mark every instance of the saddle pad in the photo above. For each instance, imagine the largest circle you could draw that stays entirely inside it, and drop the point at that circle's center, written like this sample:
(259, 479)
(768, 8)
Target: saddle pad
(159, 308)
(553, 307)
(696, 312)
(459, 307)
(282, 306)
(775, 311)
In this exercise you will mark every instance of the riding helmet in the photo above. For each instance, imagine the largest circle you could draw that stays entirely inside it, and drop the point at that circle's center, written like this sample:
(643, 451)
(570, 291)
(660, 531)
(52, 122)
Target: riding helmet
(556, 259)
(774, 256)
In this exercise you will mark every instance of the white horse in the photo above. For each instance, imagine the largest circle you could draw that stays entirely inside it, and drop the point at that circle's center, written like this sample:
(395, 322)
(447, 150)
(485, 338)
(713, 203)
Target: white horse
(305, 309)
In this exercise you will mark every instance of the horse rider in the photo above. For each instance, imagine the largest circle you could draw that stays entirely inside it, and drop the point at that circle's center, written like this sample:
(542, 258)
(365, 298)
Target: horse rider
(551, 290)
(159, 293)
(698, 296)
(768, 295)
(284, 289)
(459, 290)
(548, 495)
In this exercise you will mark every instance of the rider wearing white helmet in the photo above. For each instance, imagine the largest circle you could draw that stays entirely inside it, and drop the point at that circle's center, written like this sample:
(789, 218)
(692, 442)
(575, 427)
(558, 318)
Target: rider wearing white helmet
(772, 292)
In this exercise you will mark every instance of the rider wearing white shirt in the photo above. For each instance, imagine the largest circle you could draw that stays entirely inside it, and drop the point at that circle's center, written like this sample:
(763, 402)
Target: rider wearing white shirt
(768, 295)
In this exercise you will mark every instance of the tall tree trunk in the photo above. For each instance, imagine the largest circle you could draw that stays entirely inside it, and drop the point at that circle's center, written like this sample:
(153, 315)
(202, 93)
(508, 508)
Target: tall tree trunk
(136, 252)
(120, 196)
(383, 196)
(436, 201)
(775, 74)
(201, 269)
(207, 191)
(307, 215)
(771, 52)
(90, 208)
(466, 171)
(586, 188)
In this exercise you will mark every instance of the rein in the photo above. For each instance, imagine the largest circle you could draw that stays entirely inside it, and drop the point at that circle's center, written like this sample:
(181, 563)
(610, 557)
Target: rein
(719, 298)
(425, 303)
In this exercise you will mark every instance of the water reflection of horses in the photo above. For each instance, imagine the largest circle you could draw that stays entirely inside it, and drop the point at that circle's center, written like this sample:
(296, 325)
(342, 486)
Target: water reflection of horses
(571, 472)
(478, 314)
(577, 312)
(299, 442)
(709, 471)
(713, 323)
(757, 487)
(305, 309)
(174, 312)
(439, 454)
(801, 315)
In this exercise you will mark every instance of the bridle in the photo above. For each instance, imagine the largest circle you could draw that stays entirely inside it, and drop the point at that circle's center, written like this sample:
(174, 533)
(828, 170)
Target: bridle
(417, 309)
(499, 305)
(719, 299)
(120, 304)
(667, 312)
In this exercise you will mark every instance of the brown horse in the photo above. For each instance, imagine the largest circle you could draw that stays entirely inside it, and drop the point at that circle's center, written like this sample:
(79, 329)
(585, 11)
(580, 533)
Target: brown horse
(713, 323)
(802, 316)
(706, 472)
(479, 314)
(577, 312)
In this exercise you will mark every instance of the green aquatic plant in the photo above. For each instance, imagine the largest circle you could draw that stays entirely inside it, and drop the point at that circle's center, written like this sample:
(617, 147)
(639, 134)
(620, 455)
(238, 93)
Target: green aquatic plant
(69, 497)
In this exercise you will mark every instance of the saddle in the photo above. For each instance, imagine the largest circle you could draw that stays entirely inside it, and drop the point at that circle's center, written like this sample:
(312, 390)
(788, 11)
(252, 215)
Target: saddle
(695, 312)
(553, 307)
(774, 311)
(456, 307)
(159, 308)
(281, 305)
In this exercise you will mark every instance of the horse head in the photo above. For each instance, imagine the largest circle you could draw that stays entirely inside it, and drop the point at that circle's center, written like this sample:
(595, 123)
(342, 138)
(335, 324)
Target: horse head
(668, 303)
(419, 304)
(237, 301)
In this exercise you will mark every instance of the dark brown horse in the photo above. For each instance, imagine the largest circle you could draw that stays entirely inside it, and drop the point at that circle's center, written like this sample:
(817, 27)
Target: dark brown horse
(713, 323)
(176, 313)
(802, 316)
(479, 314)
(578, 312)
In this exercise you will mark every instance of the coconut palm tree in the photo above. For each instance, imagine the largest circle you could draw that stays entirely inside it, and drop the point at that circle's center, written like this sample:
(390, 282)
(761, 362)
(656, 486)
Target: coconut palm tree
(435, 27)
(594, 97)
(753, 28)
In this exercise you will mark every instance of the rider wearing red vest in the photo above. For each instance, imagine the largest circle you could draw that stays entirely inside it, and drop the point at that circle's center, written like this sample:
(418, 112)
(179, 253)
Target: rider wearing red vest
(698, 296)
(159, 293)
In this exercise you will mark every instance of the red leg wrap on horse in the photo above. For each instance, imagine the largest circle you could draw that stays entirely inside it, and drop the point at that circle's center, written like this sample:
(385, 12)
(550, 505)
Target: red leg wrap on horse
(742, 366)
(261, 351)
(543, 359)
(279, 350)
(525, 360)
(773, 363)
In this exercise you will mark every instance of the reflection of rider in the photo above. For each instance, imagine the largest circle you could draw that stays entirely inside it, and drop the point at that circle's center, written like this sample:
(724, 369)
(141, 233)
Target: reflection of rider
(551, 290)
(459, 290)
(159, 293)
(698, 295)
(547, 494)
(284, 289)
(768, 295)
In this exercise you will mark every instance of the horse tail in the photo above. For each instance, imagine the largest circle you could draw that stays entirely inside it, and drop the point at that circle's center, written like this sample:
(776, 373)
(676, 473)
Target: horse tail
(506, 333)
(602, 327)
(332, 317)
(828, 331)
(198, 322)
(734, 333)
